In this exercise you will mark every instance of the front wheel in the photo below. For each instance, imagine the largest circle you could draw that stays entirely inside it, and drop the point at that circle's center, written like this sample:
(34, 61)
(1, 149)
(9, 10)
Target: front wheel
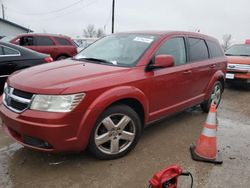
(61, 57)
(116, 132)
(215, 97)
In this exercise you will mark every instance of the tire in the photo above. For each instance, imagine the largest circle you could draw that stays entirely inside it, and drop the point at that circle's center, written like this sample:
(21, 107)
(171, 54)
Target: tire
(61, 57)
(216, 92)
(108, 139)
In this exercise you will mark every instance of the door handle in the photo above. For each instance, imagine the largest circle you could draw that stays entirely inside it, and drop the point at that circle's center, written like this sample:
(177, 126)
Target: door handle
(212, 66)
(187, 72)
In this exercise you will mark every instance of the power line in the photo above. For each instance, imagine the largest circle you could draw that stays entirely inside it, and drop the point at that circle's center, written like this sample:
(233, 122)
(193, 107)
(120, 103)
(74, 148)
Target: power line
(49, 12)
(65, 14)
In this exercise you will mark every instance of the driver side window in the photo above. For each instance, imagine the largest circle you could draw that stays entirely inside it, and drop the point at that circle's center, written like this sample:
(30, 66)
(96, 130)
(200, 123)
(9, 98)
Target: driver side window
(176, 48)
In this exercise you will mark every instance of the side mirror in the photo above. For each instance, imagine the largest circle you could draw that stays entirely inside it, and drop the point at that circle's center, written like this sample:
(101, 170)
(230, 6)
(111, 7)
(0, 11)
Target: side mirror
(163, 61)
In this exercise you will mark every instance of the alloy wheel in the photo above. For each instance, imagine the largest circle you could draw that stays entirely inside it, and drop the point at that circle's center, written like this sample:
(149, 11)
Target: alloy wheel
(216, 95)
(115, 134)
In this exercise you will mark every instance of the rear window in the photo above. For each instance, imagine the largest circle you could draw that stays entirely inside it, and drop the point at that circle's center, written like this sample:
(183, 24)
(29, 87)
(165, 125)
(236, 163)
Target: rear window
(214, 49)
(43, 41)
(63, 41)
(198, 49)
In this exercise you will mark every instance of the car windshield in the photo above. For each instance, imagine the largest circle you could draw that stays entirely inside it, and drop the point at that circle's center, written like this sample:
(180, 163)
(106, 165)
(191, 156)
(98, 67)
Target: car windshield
(118, 50)
(238, 50)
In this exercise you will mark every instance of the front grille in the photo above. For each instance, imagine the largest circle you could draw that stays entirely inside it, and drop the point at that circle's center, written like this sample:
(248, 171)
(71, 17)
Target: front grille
(18, 105)
(241, 68)
(16, 100)
(23, 94)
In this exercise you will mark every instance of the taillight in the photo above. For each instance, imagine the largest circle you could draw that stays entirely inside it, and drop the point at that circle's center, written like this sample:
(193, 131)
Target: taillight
(48, 59)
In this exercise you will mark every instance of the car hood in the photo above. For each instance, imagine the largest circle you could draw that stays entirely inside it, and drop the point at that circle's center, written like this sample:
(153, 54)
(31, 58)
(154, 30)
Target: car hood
(238, 60)
(66, 76)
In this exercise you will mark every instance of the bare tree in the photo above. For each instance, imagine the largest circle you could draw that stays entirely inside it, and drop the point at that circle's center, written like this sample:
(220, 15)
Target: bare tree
(92, 32)
(227, 40)
(100, 33)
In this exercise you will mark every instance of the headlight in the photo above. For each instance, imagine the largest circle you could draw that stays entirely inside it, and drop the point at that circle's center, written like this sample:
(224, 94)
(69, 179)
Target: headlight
(5, 85)
(56, 103)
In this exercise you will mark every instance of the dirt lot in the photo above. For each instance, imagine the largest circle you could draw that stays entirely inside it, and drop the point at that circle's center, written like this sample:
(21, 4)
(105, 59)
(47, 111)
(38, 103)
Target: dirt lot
(161, 145)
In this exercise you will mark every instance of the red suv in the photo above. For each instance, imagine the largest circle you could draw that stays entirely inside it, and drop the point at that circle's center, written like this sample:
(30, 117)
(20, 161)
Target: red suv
(104, 97)
(58, 46)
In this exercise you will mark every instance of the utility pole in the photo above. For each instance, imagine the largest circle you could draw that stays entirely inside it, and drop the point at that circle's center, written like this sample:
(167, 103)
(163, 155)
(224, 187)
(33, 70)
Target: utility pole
(3, 12)
(113, 16)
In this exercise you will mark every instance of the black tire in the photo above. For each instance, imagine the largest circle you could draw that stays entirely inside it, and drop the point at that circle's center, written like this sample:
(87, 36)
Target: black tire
(133, 126)
(205, 106)
(61, 57)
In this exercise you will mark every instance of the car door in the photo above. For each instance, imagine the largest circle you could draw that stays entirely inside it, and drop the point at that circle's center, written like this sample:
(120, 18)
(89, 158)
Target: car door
(202, 67)
(170, 87)
(46, 45)
(7, 63)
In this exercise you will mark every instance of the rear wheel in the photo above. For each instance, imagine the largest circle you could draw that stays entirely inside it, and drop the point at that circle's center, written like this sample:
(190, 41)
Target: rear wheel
(215, 97)
(115, 133)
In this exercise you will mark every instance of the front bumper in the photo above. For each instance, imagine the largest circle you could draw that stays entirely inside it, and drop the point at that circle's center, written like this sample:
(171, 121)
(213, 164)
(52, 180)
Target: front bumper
(50, 132)
(238, 77)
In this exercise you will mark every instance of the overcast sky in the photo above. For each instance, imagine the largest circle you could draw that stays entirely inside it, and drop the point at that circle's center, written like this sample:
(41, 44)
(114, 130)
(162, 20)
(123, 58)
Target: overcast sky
(70, 17)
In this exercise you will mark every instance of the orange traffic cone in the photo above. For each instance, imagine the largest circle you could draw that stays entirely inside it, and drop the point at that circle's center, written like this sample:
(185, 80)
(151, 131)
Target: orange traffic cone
(206, 147)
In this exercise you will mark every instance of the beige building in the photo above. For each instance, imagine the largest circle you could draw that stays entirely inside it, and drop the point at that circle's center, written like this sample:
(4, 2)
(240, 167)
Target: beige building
(8, 28)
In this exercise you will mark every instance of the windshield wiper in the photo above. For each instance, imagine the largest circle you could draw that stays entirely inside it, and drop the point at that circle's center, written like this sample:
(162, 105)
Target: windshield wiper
(98, 60)
(237, 55)
(244, 55)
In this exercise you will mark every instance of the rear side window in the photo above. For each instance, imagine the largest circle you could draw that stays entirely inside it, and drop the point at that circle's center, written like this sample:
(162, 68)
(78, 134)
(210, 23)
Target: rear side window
(6, 51)
(43, 41)
(214, 49)
(9, 51)
(63, 42)
(198, 49)
(176, 48)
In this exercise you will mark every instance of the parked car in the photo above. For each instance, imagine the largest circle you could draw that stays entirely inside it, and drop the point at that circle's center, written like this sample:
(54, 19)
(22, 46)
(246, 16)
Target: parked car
(57, 46)
(13, 58)
(238, 68)
(247, 41)
(103, 98)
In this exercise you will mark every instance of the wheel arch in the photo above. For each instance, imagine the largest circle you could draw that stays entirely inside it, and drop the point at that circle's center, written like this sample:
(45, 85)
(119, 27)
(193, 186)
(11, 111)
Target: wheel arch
(218, 76)
(128, 95)
(135, 105)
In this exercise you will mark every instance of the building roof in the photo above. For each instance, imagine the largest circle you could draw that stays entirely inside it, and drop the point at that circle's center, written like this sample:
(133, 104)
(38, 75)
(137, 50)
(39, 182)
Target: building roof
(16, 25)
